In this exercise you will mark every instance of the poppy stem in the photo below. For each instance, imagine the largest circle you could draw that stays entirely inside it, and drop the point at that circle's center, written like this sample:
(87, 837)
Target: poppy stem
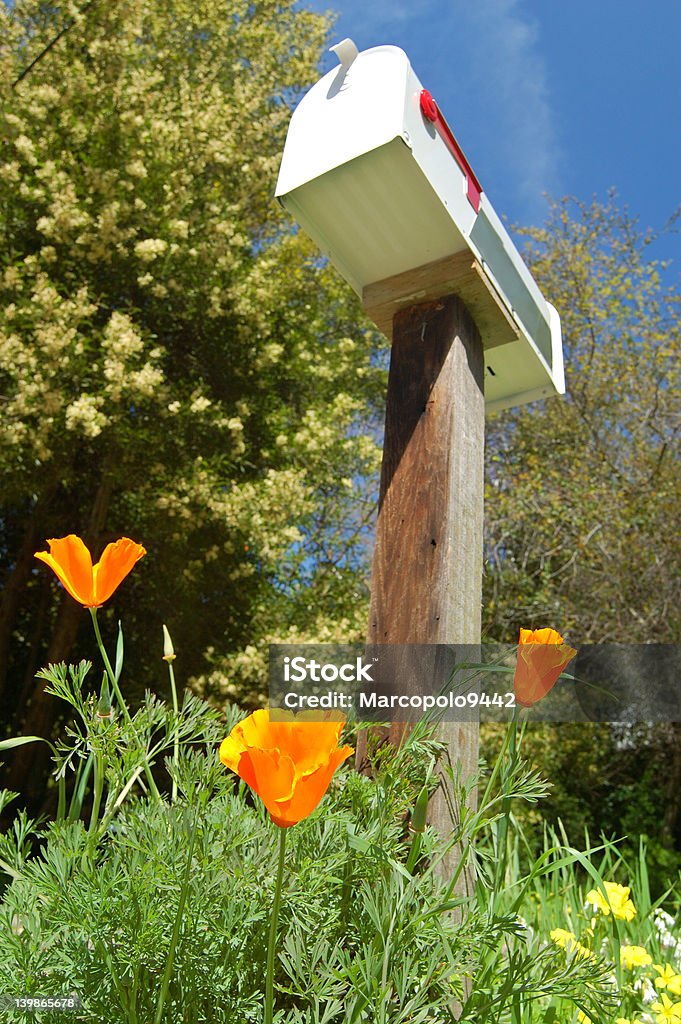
(175, 937)
(113, 678)
(96, 801)
(507, 781)
(61, 802)
(176, 740)
(271, 946)
(109, 671)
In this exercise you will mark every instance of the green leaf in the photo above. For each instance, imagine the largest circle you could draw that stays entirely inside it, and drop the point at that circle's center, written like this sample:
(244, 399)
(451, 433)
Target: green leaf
(119, 653)
(19, 741)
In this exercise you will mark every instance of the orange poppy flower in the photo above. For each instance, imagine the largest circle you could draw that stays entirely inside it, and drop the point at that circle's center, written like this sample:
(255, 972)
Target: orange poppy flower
(289, 764)
(90, 585)
(542, 656)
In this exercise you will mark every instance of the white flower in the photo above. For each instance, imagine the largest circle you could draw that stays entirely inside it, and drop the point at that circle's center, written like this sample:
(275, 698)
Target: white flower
(24, 146)
(149, 248)
(136, 169)
(180, 228)
(200, 404)
(83, 416)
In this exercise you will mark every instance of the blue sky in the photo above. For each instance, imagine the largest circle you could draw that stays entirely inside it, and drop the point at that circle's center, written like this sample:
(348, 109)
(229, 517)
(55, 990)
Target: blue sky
(548, 97)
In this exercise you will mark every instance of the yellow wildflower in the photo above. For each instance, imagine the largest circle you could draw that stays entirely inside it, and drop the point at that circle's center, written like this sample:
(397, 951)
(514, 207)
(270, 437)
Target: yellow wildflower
(617, 900)
(668, 978)
(563, 938)
(583, 1019)
(666, 1011)
(634, 956)
(568, 941)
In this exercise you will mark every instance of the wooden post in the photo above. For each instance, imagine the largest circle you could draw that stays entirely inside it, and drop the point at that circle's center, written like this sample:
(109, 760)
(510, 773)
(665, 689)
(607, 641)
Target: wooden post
(427, 568)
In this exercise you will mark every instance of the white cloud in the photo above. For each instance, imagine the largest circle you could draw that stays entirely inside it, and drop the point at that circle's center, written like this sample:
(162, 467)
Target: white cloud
(371, 19)
(512, 75)
(482, 59)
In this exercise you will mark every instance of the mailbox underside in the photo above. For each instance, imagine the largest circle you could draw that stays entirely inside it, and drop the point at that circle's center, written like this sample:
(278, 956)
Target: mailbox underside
(395, 247)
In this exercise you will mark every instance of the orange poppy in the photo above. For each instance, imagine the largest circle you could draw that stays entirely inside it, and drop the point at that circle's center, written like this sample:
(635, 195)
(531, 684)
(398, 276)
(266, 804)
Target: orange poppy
(289, 764)
(90, 585)
(542, 656)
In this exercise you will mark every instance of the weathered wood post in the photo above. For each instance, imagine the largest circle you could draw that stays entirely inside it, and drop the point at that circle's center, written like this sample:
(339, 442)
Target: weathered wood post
(426, 583)
(373, 173)
(427, 567)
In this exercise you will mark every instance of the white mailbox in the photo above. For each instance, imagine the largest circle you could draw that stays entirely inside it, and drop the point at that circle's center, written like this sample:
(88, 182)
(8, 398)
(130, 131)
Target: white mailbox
(374, 175)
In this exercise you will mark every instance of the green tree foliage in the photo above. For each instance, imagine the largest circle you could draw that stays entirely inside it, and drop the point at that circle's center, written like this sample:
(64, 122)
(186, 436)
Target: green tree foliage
(582, 507)
(175, 364)
(583, 492)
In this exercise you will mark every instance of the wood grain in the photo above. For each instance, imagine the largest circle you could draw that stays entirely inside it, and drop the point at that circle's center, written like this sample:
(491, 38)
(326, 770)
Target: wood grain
(460, 274)
(427, 567)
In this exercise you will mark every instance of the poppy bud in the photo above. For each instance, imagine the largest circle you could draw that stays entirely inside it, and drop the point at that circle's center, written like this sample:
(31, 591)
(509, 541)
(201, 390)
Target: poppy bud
(104, 702)
(417, 825)
(168, 649)
(418, 818)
